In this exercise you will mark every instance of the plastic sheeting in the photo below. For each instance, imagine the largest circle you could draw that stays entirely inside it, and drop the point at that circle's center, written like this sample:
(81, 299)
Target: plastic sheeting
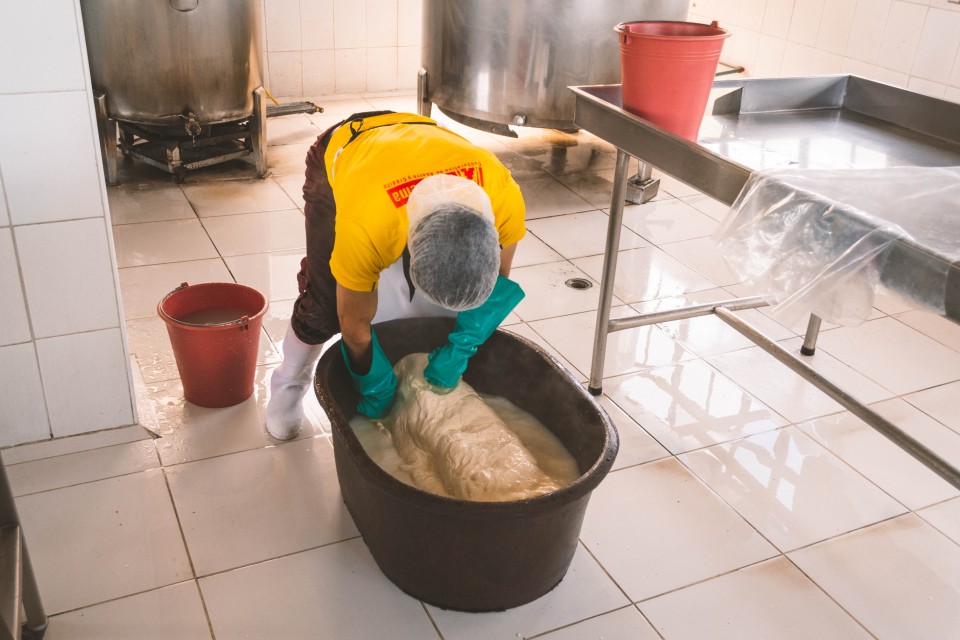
(823, 241)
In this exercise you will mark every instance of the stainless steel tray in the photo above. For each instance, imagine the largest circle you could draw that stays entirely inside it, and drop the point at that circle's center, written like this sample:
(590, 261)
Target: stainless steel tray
(813, 122)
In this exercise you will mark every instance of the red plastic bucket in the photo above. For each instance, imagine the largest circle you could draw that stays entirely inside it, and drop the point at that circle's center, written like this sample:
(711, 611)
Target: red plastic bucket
(667, 69)
(214, 329)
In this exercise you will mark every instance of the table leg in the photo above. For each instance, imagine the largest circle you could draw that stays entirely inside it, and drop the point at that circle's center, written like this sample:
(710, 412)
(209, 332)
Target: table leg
(609, 273)
(810, 339)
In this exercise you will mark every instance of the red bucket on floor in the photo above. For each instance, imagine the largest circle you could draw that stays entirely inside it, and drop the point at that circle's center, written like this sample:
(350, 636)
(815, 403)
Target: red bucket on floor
(214, 329)
(667, 69)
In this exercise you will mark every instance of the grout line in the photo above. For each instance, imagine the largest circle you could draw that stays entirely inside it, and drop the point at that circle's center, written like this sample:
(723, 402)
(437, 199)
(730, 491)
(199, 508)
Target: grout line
(186, 549)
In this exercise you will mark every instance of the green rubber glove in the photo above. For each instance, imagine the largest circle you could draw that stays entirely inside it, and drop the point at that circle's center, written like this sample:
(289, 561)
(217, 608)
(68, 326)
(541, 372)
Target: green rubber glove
(378, 387)
(472, 328)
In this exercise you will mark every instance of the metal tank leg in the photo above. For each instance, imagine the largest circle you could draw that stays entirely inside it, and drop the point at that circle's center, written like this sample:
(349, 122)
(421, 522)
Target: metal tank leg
(810, 339)
(26, 593)
(642, 187)
(609, 273)
(107, 128)
(258, 132)
(424, 106)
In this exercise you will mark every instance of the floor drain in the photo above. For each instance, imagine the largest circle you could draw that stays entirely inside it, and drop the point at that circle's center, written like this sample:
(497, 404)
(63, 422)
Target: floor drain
(578, 283)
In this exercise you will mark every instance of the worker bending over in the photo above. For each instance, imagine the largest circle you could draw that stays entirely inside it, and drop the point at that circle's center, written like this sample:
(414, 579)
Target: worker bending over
(403, 218)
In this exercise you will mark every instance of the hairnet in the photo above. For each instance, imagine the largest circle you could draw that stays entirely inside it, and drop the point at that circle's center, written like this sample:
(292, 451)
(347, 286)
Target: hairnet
(454, 257)
(433, 191)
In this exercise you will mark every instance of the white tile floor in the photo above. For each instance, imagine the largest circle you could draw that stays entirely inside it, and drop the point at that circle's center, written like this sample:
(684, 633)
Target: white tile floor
(743, 503)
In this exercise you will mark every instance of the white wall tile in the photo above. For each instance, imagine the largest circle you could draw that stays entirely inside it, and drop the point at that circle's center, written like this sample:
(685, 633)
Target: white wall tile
(776, 19)
(382, 69)
(282, 21)
(939, 43)
(381, 23)
(805, 24)
(824, 63)
(316, 24)
(13, 309)
(408, 65)
(901, 36)
(868, 22)
(706, 8)
(693, 16)
(953, 94)
(49, 157)
(796, 60)
(741, 49)
(286, 73)
(857, 68)
(40, 47)
(319, 73)
(351, 70)
(409, 22)
(4, 214)
(86, 381)
(895, 78)
(68, 276)
(751, 14)
(24, 415)
(769, 56)
(835, 25)
(728, 11)
(927, 87)
(349, 24)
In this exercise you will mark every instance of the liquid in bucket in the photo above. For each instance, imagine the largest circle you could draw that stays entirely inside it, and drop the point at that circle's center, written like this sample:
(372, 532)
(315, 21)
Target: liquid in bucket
(214, 316)
(214, 330)
(667, 70)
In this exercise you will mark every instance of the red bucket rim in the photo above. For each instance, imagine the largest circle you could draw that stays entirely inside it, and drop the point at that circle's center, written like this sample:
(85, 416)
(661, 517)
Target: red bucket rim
(710, 31)
(214, 325)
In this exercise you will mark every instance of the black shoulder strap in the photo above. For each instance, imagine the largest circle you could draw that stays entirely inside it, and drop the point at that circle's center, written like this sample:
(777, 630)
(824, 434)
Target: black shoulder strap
(356, 123)
(406, 271)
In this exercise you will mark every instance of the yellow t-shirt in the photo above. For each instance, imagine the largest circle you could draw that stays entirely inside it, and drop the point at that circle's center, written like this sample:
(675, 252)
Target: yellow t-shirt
(372, 177)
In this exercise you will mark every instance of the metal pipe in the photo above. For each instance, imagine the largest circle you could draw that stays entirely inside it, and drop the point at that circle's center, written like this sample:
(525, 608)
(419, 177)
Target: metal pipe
(730, 71)
(903, 440)
(685, 313)
(609, 273)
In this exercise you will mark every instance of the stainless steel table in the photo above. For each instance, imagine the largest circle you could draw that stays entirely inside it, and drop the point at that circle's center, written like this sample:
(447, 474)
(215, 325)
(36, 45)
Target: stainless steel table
(813, 122)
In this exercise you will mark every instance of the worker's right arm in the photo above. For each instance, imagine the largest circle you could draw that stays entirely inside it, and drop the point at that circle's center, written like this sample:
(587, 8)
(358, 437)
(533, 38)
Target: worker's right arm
(371, 372)
(356, 310)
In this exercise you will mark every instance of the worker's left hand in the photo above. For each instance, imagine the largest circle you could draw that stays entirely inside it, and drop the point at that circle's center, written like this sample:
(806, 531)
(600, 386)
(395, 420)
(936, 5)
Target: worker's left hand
(378, 386)
(472, 328)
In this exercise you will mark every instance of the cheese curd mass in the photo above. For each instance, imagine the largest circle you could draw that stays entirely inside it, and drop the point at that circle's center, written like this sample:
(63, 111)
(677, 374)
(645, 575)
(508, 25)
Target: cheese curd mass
(463, 445)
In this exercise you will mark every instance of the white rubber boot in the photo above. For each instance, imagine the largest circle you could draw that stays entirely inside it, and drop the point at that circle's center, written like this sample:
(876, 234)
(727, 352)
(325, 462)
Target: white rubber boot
(288, 384)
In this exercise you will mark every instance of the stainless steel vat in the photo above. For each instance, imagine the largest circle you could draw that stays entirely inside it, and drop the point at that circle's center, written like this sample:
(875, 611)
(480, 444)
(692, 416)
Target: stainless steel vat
(158, 61)
(509, 62)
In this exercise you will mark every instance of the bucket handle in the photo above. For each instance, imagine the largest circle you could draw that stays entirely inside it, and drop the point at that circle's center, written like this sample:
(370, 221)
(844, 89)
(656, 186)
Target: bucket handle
(243, 323)
(624, 34)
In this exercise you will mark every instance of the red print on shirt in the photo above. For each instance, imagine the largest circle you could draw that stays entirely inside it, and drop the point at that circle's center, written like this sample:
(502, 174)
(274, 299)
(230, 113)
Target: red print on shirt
(399, 190)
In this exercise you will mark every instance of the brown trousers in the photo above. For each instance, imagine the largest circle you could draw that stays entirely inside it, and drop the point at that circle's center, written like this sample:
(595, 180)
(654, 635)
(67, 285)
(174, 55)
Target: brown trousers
(315, 318)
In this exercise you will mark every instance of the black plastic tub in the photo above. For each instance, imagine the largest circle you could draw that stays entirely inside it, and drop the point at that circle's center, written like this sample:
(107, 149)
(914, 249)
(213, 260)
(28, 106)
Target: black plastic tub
(457, 554)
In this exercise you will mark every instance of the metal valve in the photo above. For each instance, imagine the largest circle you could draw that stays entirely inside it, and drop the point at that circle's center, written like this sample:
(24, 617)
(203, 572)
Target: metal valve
(191, 126)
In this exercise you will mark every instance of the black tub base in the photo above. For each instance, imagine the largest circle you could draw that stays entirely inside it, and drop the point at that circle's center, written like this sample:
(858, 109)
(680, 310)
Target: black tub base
(456, 554)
